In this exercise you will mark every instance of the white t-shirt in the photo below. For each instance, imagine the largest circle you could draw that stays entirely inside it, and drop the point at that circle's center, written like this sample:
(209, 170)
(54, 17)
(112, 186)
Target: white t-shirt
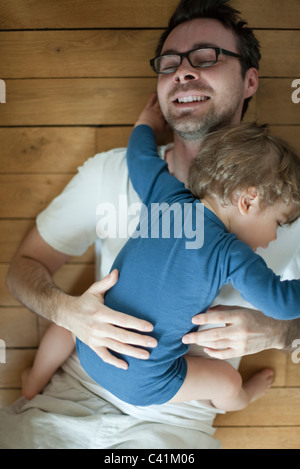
(70, 224)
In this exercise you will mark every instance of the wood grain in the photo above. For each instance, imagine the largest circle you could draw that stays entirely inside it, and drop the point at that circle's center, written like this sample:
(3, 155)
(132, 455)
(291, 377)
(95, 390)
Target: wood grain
(50, 14)
(118, 53)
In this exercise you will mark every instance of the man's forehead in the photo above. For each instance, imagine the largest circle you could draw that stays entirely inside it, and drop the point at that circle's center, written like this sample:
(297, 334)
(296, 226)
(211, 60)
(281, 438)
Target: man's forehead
(199, 31)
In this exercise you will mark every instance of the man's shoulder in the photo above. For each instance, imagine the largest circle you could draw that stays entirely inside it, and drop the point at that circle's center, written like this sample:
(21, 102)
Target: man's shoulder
(111, 159)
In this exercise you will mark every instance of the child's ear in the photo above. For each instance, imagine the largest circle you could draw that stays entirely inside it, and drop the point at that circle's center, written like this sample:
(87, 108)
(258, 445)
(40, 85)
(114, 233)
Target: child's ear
(248, 200)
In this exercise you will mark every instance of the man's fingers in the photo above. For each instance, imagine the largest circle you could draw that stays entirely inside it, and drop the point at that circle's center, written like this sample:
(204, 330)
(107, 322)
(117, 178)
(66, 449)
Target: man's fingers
(205, 337)
(128, 337)
(217, 315)
(101, 287)
(124, 349)
(151, 101)
(109, 358)
(124, 320)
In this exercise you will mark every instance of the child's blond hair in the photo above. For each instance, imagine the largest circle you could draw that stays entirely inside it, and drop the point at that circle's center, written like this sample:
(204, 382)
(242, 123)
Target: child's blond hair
(236, 158)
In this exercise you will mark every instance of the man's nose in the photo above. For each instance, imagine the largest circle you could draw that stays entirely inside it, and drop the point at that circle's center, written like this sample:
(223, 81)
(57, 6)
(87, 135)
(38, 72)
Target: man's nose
(186, 72)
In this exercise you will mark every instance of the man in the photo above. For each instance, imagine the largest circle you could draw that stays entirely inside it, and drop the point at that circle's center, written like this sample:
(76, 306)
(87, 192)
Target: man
(195, 99)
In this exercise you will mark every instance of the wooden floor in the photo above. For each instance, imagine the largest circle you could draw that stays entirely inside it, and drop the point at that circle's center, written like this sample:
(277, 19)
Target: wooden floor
(272, 422)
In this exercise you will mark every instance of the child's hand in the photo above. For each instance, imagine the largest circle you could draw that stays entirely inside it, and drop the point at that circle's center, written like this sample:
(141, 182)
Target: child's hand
(152, 116)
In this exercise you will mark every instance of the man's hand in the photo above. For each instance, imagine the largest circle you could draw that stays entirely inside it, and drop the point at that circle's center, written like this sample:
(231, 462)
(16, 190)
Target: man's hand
(246, 332)
(30, 280)
(102, 328)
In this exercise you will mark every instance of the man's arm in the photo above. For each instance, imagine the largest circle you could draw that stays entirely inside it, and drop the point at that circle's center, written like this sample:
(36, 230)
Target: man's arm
(247, 331)
(30, 280)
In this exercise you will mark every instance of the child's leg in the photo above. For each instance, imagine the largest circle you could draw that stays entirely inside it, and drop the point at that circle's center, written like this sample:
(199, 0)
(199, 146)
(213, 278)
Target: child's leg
(55, 347)
(219, 382)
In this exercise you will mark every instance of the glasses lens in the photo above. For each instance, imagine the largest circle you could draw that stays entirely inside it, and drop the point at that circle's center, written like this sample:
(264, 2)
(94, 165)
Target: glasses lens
(203, 57)
(167, 63)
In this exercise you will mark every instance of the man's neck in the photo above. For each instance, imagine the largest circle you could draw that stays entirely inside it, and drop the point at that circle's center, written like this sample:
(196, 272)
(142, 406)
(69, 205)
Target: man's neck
(180, 157)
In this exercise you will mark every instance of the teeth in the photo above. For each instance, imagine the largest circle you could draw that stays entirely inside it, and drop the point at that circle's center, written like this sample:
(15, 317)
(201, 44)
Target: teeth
(191, 99)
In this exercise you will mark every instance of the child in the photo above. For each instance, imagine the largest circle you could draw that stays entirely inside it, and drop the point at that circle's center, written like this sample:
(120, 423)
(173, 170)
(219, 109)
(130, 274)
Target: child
(249, 183)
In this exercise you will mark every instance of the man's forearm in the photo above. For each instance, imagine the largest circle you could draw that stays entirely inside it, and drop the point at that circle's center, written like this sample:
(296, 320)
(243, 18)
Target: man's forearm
(32, 285)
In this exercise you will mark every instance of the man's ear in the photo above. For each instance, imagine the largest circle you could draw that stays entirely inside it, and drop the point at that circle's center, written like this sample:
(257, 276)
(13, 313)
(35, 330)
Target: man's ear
(251, 82)
(248, 200)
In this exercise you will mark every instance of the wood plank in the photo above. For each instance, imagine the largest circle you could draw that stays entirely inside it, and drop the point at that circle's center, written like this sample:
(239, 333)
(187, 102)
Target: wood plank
(99, 101)
(9, 396)
(45, 150)
(70, 54)
(280, 53)
(274, 102)
(11, 234)
(279, 407)
(33, 14)
(55, 149)
(112, 137)
(19, 327)
(117, 53)
(24, 196)
(259, 438)
(16, 362)
(293, 367)
(289, 133)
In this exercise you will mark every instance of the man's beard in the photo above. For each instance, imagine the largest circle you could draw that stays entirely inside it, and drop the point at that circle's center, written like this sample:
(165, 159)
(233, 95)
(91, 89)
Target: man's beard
(192, 128)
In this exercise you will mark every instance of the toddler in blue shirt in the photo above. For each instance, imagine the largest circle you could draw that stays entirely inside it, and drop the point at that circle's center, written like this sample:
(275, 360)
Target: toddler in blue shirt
(242, 186)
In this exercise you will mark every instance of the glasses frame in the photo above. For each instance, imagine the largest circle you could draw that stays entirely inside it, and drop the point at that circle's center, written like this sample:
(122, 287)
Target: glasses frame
(182, 55)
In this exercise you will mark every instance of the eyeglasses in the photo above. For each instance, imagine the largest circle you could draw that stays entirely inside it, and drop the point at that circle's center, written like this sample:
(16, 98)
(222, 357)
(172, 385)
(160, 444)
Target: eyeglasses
(198, 58)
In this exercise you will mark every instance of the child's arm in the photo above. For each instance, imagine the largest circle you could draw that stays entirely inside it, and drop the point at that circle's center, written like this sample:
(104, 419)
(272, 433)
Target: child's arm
(260, 286)
(147, 171)
(152, 116)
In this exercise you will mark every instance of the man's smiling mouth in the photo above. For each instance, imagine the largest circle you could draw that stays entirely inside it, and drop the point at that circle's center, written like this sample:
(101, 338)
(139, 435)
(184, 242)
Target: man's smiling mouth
(190, 99)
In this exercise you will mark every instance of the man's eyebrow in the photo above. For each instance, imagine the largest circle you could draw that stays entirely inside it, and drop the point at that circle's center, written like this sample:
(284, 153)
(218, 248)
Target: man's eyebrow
(198, 45)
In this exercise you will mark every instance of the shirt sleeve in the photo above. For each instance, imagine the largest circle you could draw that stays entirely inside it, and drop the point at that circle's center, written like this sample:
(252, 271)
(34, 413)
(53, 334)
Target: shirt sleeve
(68, 224)
(148, 172)
(260, 286)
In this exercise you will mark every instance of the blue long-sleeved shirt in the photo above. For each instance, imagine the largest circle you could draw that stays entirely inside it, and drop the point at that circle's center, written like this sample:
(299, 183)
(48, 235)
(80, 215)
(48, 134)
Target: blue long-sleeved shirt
(167, 277)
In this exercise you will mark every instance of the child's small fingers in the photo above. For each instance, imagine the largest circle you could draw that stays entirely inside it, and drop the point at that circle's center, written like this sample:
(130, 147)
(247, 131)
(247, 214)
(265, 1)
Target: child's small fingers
(152, 100)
